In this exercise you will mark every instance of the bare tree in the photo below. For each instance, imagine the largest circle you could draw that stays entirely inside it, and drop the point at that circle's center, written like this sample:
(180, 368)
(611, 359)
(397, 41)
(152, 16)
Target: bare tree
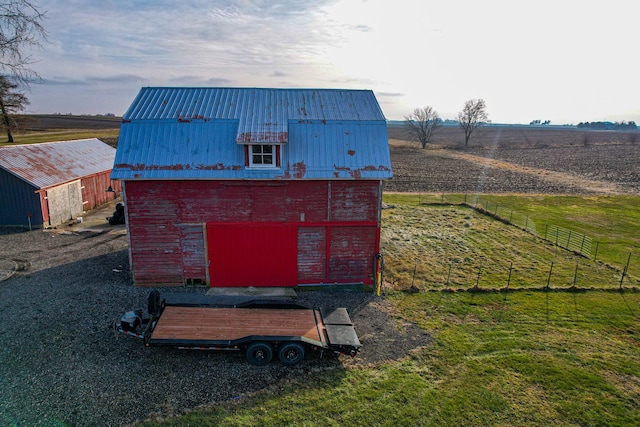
(472, 116)
(20, 30)
(421, 124)
(11, 102)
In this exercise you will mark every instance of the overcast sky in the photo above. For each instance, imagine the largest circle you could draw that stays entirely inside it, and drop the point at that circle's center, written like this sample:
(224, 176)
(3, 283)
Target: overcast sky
(563, 60)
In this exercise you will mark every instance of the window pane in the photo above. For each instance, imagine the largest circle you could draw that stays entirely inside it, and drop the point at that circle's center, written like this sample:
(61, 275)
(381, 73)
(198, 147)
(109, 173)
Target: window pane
(257, 159)
(256, 149)
(267, 149)
(268, 159)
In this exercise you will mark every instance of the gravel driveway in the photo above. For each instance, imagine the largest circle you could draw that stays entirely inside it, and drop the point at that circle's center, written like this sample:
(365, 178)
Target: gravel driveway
(62, 364)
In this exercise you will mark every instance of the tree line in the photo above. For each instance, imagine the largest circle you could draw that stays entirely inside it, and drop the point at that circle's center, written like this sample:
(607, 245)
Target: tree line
(627, 126)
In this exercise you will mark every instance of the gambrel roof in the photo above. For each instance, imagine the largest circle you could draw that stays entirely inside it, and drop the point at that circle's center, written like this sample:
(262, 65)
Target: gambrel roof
(201, 133)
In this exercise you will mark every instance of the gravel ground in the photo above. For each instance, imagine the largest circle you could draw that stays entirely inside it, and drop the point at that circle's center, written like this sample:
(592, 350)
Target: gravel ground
(63, 364)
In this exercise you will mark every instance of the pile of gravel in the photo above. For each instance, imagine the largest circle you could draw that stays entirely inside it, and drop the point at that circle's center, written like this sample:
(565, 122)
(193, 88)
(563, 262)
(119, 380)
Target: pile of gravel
(61, 363)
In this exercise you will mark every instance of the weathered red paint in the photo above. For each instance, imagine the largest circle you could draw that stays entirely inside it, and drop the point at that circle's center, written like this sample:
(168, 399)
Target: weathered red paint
(178, 167)
(335, 225)
(94, 189)
(297, 170)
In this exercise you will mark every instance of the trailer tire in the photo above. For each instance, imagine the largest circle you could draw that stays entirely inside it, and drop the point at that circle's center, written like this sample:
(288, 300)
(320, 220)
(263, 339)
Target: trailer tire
(259, 353)
(153, 302)
(291, 354)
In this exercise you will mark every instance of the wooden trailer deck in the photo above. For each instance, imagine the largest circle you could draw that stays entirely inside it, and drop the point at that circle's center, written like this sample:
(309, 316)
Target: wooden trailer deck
(217, 325)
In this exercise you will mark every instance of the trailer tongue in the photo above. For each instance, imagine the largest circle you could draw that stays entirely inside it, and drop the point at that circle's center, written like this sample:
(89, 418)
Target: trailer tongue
(260, 328)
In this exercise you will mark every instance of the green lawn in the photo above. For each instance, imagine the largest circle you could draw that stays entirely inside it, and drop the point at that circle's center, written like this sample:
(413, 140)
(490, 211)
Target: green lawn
(520, 358)
(466, 239)
(60, 135)
(526, 356)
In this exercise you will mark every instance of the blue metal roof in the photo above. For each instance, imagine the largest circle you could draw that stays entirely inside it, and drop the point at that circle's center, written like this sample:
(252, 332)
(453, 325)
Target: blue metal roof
(200, 133)
(52, 163)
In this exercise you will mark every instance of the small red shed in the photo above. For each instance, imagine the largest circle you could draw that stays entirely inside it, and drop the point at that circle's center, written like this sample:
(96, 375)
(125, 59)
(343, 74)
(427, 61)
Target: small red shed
(253, 187)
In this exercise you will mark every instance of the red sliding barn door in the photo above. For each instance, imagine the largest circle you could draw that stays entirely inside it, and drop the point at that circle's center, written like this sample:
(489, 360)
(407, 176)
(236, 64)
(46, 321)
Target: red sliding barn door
(252, 254)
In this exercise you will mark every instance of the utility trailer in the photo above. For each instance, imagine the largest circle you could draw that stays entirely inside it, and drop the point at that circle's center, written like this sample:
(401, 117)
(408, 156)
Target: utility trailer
(260, 328)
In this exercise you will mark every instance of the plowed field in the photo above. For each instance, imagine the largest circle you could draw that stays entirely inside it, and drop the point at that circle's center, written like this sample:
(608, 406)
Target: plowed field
(518, 160)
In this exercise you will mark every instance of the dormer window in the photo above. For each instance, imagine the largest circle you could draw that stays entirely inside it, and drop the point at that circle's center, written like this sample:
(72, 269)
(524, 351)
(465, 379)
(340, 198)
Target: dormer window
(263, 156)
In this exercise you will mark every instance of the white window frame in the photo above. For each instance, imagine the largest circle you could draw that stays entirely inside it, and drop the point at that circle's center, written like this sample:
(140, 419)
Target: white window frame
(272, 165)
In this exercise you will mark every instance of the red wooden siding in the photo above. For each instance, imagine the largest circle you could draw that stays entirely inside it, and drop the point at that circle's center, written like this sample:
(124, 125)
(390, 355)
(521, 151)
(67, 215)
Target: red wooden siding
(193, 254)
(351, 254)
(312, 254)
(328, 231)
(351, 202)
(94, 190)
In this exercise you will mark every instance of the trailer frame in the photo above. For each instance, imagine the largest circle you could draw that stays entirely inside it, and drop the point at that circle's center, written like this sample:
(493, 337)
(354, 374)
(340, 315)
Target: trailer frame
(259, 328)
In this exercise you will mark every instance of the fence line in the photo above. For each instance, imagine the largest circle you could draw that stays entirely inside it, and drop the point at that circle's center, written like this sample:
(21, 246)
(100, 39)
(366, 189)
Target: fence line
(578, 243)
(562, 237)
(569, 239)
(557, 275)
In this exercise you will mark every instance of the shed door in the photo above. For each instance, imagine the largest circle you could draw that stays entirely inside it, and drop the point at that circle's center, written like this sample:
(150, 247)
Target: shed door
(252, 254)
(65, 202)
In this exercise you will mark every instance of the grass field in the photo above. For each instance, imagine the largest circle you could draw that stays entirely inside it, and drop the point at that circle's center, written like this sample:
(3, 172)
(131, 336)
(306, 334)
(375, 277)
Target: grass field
(520, 358)
(48, 128)
(523, 356)
(452, 245)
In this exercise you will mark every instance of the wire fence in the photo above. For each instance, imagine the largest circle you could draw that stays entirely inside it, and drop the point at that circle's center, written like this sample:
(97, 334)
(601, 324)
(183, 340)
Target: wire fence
(561, 273)
(557, 274)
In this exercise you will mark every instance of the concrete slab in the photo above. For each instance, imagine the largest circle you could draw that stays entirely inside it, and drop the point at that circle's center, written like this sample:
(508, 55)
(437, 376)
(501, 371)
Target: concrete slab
(95, 220)
(253, 291)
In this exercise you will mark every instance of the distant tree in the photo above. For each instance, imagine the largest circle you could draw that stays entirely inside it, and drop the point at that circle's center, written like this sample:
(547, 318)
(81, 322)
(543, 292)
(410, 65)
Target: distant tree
(11, 101)
(421, 124)
(472, 116)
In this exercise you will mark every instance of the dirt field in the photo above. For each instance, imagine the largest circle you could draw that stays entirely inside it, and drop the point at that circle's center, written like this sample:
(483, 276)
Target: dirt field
(515, 160)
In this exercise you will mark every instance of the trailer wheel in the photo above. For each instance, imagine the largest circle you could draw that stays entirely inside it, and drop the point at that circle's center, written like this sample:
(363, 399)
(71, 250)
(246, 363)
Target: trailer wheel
(153, 302)
(259, 353)
(291, 354)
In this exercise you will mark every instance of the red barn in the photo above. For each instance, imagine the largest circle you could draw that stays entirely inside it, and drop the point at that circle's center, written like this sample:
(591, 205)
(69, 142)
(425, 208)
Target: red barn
(253, 187)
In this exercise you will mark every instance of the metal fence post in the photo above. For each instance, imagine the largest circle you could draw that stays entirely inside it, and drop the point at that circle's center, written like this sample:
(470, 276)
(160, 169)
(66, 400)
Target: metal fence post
(626, 269)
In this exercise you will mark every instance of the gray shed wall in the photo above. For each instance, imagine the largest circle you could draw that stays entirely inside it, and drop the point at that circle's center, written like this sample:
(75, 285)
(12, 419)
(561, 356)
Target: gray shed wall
(17, 199)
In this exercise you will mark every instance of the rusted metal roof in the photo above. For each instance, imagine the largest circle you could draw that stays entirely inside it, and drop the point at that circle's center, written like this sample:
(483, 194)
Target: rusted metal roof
(200, 133)
(52, 163)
